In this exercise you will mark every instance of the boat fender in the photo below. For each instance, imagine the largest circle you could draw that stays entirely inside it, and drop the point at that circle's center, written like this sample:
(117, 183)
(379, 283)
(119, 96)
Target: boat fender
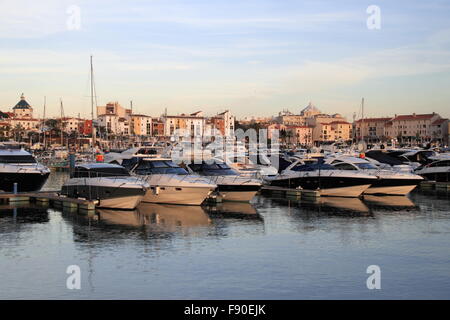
(156, 191)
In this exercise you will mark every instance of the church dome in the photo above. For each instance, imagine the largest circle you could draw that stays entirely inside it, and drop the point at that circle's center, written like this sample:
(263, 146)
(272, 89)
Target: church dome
(310, 109)
(22, 104)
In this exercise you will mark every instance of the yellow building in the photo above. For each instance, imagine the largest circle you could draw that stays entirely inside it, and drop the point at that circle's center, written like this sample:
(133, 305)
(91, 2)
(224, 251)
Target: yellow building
(183, 124)
(141, 125)
(371, 129)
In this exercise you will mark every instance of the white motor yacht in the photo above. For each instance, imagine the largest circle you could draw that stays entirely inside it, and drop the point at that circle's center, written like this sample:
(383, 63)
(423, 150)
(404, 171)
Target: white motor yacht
(389, 182)
(230, 185)
(110, 184)
(169, 183)
(313, 174)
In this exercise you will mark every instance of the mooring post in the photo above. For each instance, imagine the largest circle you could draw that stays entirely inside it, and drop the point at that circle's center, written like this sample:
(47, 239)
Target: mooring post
(15, 188)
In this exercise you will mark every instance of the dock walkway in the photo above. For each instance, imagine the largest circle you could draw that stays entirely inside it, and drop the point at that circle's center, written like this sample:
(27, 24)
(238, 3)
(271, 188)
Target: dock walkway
(53, 198)
(290, 193)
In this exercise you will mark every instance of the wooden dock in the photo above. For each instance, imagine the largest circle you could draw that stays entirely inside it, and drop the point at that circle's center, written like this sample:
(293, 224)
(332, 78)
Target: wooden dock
(52, 198)
(433, 185)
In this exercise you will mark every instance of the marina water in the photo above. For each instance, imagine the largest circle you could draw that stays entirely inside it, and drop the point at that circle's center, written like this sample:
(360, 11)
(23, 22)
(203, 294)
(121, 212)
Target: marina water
(269, 249)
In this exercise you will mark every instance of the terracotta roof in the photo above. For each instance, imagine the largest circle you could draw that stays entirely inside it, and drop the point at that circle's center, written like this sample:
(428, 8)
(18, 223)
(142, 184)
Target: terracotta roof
(373, 120)
(24, 119)
(183, 116)
(339, 122)
(298, 127)
(414, 117)
(439, 121)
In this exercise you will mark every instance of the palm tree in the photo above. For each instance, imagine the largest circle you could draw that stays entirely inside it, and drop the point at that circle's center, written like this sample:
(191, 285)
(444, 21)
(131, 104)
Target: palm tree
(4, 131)
(17, 132)
(32, 135)
(283, 136)
(289, 135)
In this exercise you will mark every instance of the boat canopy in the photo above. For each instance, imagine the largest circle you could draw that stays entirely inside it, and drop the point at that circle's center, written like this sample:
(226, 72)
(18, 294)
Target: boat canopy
(148, 166)
(213, 169)
(382, 157)
(312, 166)
(92, 170)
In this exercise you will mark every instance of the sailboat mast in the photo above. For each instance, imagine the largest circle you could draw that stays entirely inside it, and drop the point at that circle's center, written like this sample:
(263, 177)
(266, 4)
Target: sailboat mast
(92, 105)
(43, 124)
(62, 123)
(362, 118)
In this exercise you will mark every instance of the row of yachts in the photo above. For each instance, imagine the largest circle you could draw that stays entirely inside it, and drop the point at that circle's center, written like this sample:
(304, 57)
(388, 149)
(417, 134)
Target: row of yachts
(145, 174)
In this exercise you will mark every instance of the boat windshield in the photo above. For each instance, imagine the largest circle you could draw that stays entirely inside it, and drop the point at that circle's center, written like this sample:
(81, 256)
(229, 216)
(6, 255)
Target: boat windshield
(17, 159)
(214, 169)
(366, 166)
(81, 172)
(158, 167)
(313, 167)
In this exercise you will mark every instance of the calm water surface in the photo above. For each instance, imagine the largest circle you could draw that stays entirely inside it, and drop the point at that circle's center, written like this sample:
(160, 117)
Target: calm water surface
(271, 249)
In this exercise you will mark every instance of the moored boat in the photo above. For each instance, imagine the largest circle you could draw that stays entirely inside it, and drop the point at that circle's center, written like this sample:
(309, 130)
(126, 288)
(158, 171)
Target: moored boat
(110, 184)
(19, 166)
(330, 181)
(389, 182)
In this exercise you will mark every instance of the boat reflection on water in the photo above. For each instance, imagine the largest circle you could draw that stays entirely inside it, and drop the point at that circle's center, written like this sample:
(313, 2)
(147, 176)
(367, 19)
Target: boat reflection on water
(441, 194)
(239, 210)
(24, 212)
(390, 203)
(336, 205)
(167, 218)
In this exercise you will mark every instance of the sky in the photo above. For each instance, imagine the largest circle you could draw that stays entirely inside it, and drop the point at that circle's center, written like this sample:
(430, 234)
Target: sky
(253, 57)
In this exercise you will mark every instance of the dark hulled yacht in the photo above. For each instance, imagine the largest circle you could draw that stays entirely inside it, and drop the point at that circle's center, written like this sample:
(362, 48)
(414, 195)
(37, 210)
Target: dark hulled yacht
(389, 182)
(19, 166)
(438, 171)
(313, 174)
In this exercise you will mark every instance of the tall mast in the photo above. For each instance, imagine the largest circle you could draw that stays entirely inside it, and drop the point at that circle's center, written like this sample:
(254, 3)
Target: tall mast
(43, 123)
(362, 118)
(62, 122)
(92, 104)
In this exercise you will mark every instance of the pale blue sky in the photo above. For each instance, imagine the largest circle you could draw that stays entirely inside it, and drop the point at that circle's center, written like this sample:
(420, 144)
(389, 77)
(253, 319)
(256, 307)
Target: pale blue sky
(254, 57)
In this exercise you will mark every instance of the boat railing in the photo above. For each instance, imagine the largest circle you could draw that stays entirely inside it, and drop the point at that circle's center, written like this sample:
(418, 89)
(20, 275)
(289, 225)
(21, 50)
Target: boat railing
(173, 177)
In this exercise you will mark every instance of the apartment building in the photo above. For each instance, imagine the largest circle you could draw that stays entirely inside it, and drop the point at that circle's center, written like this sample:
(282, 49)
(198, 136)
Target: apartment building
(192, 124)
(223, 123)
(418, 127)
(141, 125)
(289, 119)
(371, 129)
(299, 135)
(113, 108)
(328, 128)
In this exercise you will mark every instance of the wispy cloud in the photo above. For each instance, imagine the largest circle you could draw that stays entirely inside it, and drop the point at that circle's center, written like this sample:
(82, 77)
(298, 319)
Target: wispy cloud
(32, 19)
(253, 55)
